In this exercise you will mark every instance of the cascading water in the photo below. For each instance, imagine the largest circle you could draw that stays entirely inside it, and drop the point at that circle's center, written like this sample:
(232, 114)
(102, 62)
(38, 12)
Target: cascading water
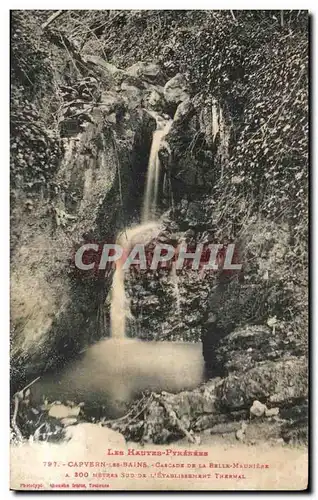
(143, 233)
(153, 174)
(176, 291)
(120, 308)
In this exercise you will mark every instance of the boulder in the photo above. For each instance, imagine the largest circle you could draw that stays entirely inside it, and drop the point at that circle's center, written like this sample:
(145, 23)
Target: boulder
(184, 111)
(112, 102)
(149, 72)
(240, 433)
(154, 100)
(104, 70)
(175, 90)
(282, 383)
(68, 421)
(122, 77)
(271, 412)
(258, 409)
(99, 61)
(132, 94)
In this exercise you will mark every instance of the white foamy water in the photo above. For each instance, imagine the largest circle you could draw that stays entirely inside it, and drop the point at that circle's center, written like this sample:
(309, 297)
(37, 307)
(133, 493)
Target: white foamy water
(142, 234)
(120, 308)
(153, 173)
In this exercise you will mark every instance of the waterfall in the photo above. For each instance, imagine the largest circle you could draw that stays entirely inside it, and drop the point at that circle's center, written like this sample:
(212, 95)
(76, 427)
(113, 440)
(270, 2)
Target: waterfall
(153, 173)
(176, 291)
(143, 233)
(120, 307)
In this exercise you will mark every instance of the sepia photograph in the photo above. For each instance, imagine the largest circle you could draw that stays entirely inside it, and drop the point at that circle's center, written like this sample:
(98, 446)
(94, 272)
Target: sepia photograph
(159, 240)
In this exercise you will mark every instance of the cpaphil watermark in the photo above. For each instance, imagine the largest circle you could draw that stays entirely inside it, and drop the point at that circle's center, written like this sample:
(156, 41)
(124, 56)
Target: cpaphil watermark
(201, 257)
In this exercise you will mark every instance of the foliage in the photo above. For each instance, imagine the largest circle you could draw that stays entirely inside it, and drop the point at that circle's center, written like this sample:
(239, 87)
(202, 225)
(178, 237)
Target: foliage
(30, 62)
(35, 152)
(35, 146)
(255, 63)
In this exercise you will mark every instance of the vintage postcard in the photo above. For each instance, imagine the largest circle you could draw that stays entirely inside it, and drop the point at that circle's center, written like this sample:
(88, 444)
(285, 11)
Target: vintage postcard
(159, 250)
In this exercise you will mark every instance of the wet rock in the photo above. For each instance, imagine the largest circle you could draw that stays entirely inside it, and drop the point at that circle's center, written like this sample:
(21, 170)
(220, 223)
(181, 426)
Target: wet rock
(60, 300)
(257, 409)
(175, 90)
